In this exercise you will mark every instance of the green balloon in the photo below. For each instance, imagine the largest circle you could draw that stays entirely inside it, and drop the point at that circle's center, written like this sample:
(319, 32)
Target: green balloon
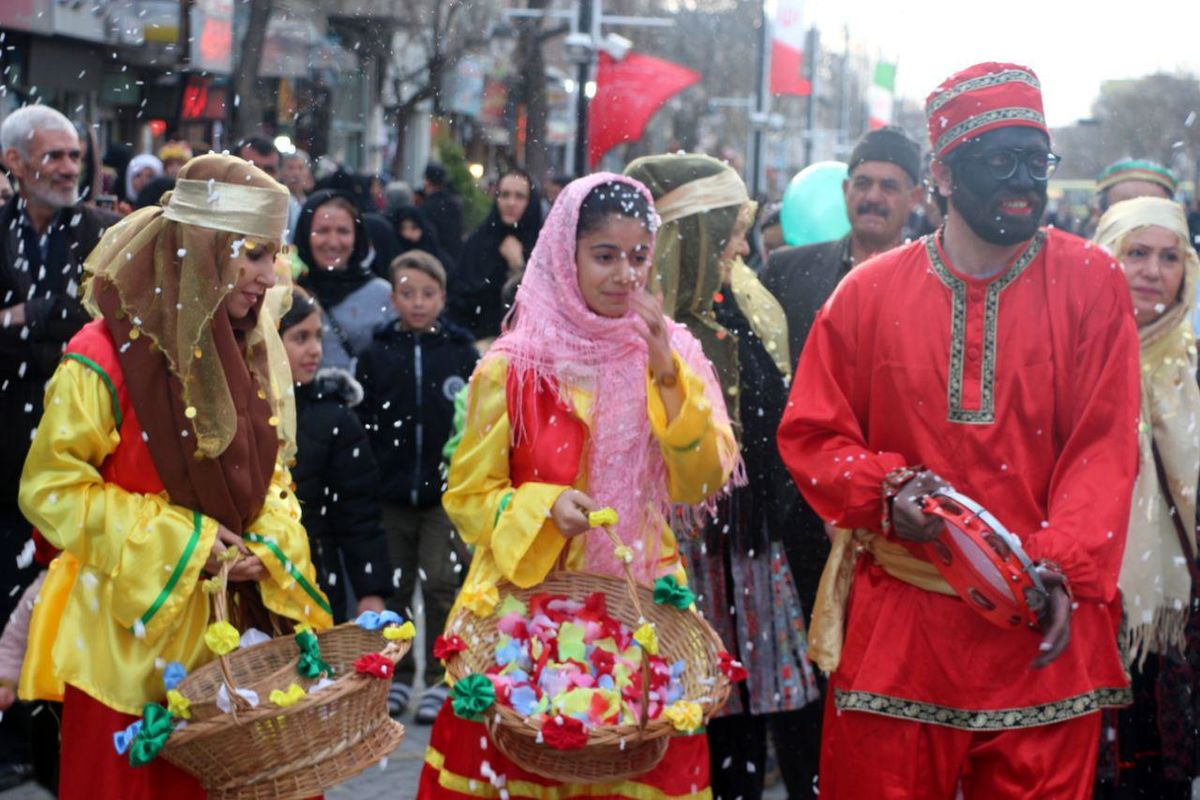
(814, 208)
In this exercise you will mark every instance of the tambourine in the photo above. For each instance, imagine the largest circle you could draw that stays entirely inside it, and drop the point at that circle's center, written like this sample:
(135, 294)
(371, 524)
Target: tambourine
(983, 561)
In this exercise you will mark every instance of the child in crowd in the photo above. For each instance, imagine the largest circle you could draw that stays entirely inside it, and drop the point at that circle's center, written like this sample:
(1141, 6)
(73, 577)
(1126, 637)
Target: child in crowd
(411, 374)
(337, 480)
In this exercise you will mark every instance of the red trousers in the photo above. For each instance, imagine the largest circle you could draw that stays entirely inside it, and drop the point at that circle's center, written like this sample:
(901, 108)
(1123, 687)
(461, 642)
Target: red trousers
(872, 756)
(91, 768)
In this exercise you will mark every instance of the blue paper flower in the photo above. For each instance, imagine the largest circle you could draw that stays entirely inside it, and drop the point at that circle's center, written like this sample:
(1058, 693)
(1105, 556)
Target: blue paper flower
(369, 620)
(510, 651)
(123, 738)
(389, 617)
(173, 674)
(524, 700)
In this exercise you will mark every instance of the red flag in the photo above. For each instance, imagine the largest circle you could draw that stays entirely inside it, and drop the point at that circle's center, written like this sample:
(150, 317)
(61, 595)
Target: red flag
(787, 49)
(628, 93)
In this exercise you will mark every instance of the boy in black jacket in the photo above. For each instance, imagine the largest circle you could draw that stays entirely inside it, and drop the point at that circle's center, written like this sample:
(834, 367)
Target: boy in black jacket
(411, 375)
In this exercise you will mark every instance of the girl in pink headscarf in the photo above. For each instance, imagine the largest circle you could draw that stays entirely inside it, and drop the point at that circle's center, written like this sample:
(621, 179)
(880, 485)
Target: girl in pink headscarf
(590, 398)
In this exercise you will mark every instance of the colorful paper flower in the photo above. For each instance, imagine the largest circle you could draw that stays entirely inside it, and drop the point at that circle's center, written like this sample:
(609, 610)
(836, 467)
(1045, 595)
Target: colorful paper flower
(376, 665)
(668, 592)
(564, 733)
(471, 696)
(482, 601)
(732, 668)
(447, 645)
(287, 697)
(123, 738)
(684, 715)
(603, 517)
(623, 554)
(178, 705)
(368, 620)
(173, 675)
(222, 638)
(400, 632)
(310, 664)
(150, 738)
(647, 637)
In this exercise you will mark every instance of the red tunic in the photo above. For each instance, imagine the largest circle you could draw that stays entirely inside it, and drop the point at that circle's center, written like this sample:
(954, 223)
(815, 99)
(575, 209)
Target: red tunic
(1022, 391)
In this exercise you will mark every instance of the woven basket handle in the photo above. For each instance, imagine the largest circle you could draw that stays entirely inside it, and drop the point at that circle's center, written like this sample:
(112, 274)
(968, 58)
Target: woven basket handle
(220, 604)
(632, 586)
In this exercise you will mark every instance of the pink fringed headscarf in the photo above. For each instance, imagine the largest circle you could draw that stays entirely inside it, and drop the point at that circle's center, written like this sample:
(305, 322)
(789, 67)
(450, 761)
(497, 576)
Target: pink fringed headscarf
(552, 332)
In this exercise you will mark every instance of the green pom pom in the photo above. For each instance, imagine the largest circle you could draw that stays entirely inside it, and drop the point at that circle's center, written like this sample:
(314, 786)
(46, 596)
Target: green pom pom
(471, 696)
(156, 728)
(668, 592)
(310, 664)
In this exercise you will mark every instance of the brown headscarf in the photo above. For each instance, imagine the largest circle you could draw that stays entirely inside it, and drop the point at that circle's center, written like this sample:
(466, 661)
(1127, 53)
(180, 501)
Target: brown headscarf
(198, 380)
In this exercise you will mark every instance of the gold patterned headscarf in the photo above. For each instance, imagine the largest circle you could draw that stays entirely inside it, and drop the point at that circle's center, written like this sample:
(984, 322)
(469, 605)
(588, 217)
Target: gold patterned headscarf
(1155, 583)
(207, 389)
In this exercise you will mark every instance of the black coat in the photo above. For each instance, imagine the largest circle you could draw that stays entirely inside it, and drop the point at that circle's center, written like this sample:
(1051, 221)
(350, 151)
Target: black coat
(802, 278)
(410, 381)
(476, 292)
(445, 212)
(428, 242)
(337, 483)
(29, 356)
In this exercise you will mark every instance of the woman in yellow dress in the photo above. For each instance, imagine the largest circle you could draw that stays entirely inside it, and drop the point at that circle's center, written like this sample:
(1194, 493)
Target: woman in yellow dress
(590, 398)
(160, 449)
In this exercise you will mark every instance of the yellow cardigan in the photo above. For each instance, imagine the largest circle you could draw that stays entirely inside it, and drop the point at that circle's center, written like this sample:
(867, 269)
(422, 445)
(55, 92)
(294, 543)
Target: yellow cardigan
(511, 529)
(124, 597)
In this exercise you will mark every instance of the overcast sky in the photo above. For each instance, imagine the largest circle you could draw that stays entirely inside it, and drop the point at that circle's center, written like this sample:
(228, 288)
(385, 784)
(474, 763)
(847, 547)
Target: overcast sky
(1073, 46)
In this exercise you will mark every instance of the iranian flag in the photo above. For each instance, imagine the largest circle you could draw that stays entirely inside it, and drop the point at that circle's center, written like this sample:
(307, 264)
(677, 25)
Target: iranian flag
(787, 49)
(880, 94)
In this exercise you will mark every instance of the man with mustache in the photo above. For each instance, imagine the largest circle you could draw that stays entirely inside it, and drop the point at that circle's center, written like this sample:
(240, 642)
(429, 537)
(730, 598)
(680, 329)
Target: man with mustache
(881, 190)
(1002, 358)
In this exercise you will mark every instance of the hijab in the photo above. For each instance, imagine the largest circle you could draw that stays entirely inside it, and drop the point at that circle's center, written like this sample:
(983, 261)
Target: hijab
(552, 333)
(204, 387)
(136, 165)
(332, 286)
(688, 252)
(1155, 583)
(429, 238)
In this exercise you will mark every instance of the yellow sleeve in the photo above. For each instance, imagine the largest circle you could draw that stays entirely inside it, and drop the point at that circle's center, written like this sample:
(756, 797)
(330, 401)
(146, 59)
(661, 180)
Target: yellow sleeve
(152, 550)
(513, 524)
(281, 543)
(698, 452)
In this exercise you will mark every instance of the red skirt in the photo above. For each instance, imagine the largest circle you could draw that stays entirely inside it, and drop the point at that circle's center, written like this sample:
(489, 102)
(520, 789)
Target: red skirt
(92, 770)
(459, 749)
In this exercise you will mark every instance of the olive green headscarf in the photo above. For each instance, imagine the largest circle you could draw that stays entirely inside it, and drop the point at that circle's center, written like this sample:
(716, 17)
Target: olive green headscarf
(688, 250)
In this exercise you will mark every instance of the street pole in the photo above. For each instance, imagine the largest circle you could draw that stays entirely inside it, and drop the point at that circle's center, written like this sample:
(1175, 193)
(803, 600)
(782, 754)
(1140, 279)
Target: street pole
(811, 43)
(587, 18)
(762, 107)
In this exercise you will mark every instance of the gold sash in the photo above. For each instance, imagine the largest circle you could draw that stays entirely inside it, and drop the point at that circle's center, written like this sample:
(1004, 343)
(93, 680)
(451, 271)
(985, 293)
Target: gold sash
(826, 634)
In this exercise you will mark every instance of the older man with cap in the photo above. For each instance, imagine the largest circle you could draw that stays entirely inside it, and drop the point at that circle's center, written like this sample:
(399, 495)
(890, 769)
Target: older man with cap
(1001, 358)
(882, 189)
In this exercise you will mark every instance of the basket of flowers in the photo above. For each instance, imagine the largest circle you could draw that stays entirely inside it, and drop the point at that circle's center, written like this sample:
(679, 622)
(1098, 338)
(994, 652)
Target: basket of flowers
(287, 717)
(584, 678)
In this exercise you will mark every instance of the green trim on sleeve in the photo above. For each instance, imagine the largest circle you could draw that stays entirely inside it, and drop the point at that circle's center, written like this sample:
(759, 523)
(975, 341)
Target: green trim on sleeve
(177, 573)
(504, 503)
(308, 588)
(99, 370)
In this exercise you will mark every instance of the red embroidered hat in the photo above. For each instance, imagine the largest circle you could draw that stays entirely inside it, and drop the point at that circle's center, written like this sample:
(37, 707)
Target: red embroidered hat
(982, 98)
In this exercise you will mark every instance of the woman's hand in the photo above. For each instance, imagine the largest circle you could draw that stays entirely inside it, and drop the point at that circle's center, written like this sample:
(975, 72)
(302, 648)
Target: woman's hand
(248, 567)
(652, 326)
(513, 252)
(371, 602)
(570, 512)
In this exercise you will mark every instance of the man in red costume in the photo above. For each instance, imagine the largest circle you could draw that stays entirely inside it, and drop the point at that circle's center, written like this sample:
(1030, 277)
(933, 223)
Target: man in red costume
(1000, 358)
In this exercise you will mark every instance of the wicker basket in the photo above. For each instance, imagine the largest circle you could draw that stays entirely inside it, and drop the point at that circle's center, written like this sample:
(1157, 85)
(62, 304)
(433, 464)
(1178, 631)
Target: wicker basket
(273, 753)
(613, 752)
